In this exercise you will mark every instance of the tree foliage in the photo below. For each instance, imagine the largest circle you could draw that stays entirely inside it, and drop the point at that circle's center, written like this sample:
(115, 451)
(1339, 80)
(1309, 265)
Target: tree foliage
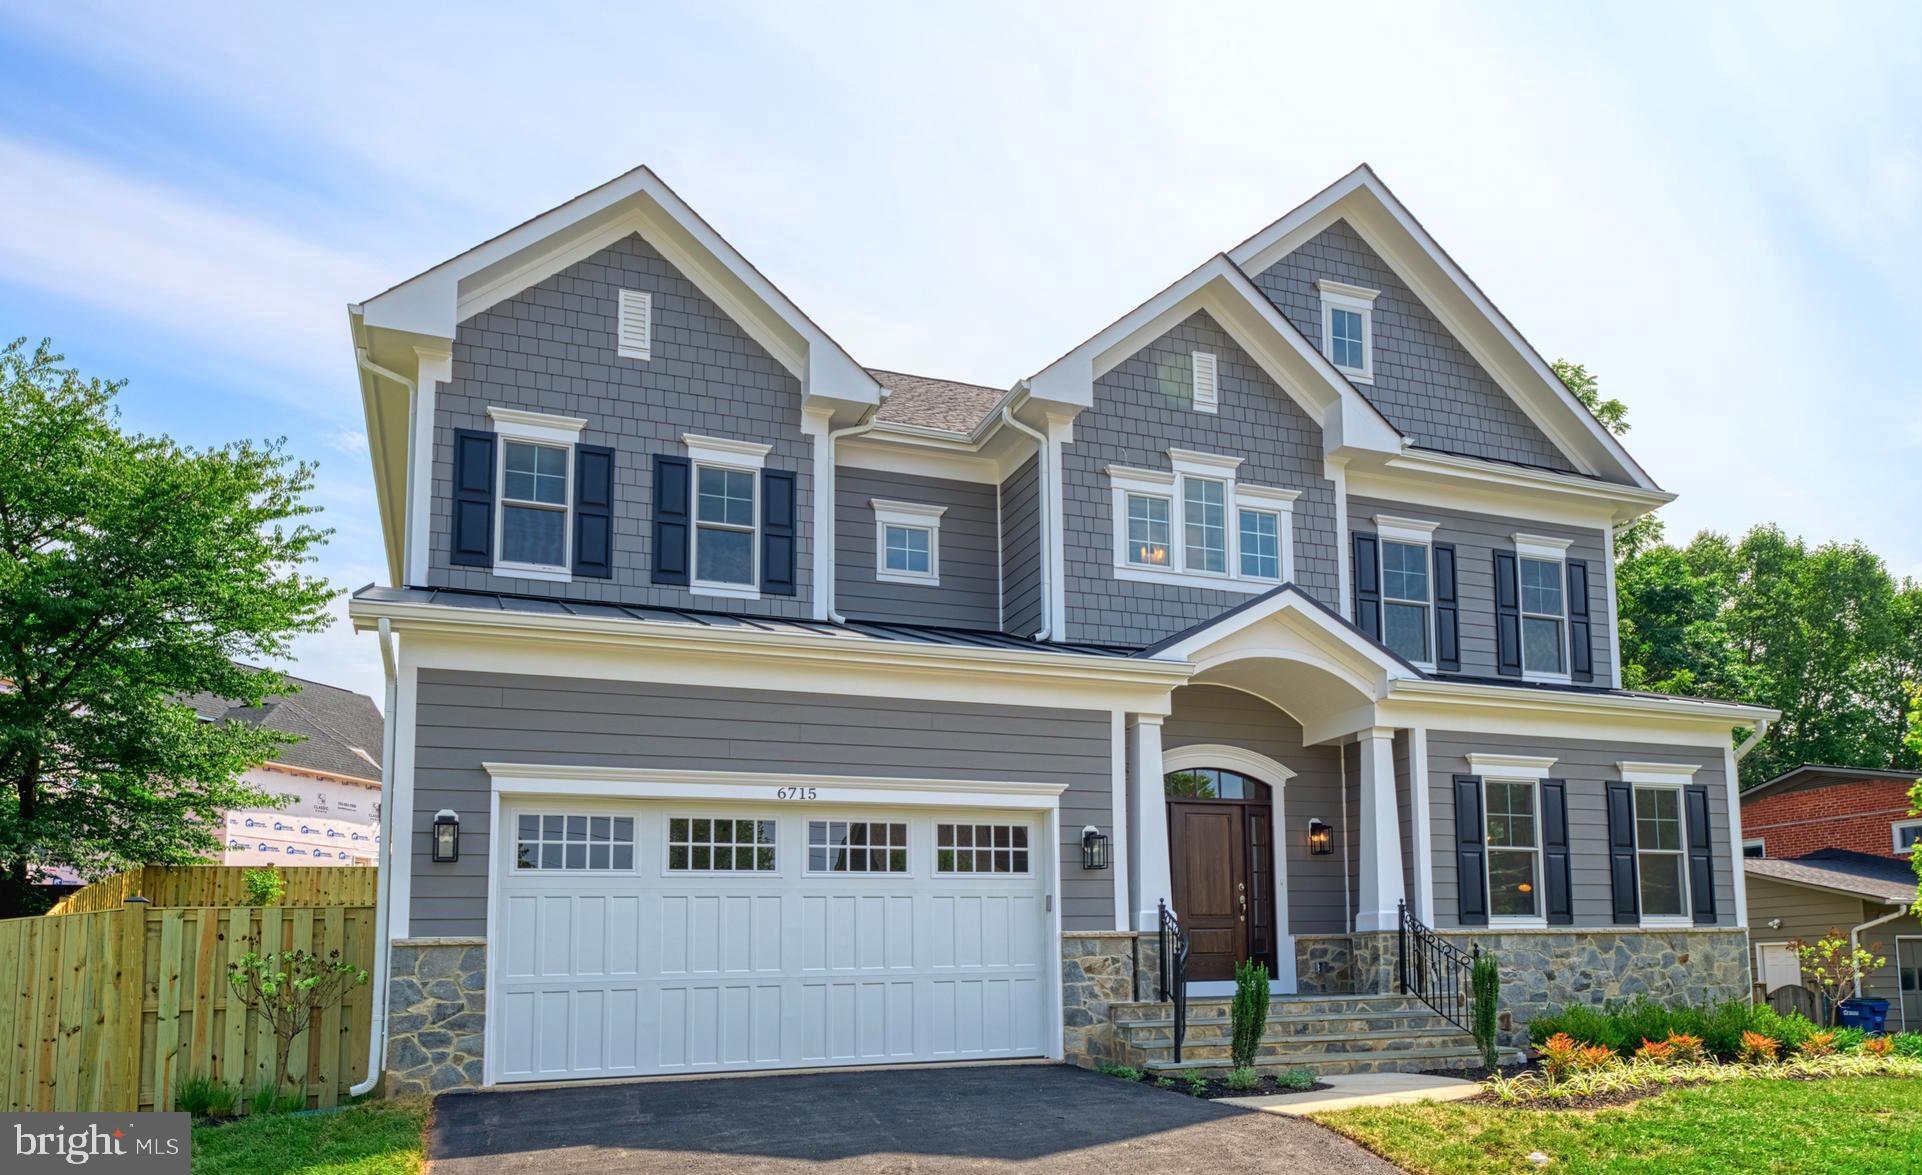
(135, 571)
(1647, 530)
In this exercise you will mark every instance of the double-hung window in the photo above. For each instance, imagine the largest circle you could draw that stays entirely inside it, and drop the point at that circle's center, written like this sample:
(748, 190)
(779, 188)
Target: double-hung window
(1907, 834)
(1661, 852)
(1542, 570)
(1348, 328)
(536, 492)
(1407, 588)
(1201, 526)
(726, 538)
(1514, 848)
(907, 542)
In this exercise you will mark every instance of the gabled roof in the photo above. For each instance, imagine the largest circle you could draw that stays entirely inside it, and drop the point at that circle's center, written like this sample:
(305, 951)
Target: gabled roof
(922, 401)
(1880, 879)
(1367, 204)
(340, 729)
(1822, 774)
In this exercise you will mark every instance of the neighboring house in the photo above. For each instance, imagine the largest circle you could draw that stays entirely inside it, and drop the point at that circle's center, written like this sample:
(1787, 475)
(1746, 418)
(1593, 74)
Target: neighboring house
(793, 713)
(330, 778)
(1827, 849)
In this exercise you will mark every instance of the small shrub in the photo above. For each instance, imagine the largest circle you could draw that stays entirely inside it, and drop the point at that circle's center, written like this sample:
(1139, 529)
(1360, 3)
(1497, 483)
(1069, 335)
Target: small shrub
(1847, 1040)
(1164, 1083)
(1242, 1078)
(204, 1097)
(269, 1100)
(1685, 1049)
(1790, 1028)
(1656, 1052)
(1907, 1044)
(1878, 1046)
(1817, 1044)
(1486, 981)
(1249, 1013)
(1125, 1072)
(1558, 1056)
(265, 887)
(1591, 1058)
(1296, 1079)
(1758, 1049)
(1194, 1079)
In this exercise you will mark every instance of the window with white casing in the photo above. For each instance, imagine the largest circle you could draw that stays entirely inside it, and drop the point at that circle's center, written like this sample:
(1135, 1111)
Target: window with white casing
(1661, 853)
(981, 848)
(720, 844)
(726, 539)
(1541, 567)
(573, 843)
(857, 846)
(907, 542)
(1348, 328)
(1907, 834)
(1207, 382)
(1755, 847)
(1512, 812)
(1407, 588)
(1200, 525)
(535, 487)
(635, 330)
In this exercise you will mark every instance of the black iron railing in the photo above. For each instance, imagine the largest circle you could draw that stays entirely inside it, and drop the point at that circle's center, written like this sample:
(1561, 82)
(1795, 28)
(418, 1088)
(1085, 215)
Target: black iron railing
(1174, 972)
(1437, 970)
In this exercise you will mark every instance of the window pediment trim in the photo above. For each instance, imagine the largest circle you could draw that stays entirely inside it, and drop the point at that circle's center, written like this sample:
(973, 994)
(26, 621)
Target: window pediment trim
(1517, 767)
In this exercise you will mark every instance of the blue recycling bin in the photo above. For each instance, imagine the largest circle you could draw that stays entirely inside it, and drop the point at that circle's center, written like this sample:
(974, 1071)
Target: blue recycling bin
(1868, 1015)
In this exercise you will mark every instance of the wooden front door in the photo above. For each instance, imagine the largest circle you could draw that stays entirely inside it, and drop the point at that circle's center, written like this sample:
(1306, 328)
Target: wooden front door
(1209, 850)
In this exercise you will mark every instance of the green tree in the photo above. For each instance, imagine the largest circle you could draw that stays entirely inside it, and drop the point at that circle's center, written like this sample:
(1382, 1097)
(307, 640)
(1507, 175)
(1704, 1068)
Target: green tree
(1912, 742)
(135, 571)
(1647, 530)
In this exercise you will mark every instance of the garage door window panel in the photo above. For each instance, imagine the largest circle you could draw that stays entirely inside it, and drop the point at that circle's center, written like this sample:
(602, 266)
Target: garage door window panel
(577, 843)
(981, 848)
(720, 844)
(857, 846)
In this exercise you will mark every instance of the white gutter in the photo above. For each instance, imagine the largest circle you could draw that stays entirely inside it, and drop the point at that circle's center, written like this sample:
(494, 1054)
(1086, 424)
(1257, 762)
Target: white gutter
(407, 491)
(1047, 515)
(833, 475)
(1855, 939)
(383, 889)
(1761, 729)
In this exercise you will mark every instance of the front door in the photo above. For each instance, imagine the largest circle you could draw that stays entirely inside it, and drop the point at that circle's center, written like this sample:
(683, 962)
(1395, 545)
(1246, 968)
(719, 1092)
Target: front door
(1210, 860)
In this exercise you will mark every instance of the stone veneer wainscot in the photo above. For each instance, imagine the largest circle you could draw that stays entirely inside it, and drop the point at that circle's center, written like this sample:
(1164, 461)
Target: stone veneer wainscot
(436, 1014)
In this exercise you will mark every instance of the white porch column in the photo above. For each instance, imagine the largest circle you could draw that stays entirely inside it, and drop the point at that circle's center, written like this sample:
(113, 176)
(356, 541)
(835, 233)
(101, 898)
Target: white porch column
(1147, 822)
(1380, 833)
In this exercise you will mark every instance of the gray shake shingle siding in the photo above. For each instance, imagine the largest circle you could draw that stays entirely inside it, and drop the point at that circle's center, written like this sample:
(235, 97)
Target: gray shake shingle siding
(466, 719)
(1143, 408)
(968, 595)
(1477, 537)
(1021, 550)
(1587, 765)
(1426, 382)
(551, 349)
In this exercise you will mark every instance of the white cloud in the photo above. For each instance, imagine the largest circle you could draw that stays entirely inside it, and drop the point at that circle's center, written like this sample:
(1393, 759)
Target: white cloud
(351, 441)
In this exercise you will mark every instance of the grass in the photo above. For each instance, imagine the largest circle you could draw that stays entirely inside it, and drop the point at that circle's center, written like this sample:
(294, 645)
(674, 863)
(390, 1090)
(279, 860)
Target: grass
(373, 1138)
(1855, 1124)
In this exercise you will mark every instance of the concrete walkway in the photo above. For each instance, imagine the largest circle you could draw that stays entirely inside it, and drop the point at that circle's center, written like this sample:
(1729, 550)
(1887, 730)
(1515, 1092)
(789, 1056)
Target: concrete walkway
(1362, 1089)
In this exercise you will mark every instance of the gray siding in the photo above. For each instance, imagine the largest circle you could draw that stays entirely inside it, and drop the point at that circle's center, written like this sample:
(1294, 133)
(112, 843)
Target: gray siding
(969, 594)
(1425, 380)
(1587, 766)
(1213, 714)
(466, 719)
(1021, 549)
(551, 349)
(1141, 409)
(1477, 537)
(1884, 983)
(1810, 913)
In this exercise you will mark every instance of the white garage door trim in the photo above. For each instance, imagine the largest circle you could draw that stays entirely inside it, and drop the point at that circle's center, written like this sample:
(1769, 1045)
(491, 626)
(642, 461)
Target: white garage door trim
(514, 782)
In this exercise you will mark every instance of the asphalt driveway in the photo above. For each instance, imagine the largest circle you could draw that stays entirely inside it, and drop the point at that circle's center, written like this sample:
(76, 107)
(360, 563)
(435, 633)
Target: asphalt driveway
(1047, 1118)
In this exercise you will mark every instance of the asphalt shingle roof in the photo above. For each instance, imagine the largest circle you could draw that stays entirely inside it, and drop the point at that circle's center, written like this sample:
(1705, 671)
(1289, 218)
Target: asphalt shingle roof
(945, 404)
(340, 729)
(1888, 879)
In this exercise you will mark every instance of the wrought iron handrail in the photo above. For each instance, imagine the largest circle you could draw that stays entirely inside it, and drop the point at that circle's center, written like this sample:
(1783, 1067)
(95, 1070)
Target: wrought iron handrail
(1174, 972)
(1437, 971)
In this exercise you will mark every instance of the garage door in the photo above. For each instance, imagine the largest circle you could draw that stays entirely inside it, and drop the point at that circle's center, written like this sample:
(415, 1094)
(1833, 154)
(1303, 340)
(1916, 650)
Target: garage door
(669, 938)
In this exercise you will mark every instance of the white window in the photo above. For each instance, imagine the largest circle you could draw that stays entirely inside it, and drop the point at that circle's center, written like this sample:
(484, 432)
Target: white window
(719, 844)
(1407, 588)
(1512, 815)
(857, 846)
(1540, 567)
(576, 843)
(1661, 853)
(1755, 847)
(1207, 386)
(727, 547)
(1348, 328)
(534, 485)
(907, 542)
(980, 848)
(1908, 834)
(635, 332)
(1234, 537)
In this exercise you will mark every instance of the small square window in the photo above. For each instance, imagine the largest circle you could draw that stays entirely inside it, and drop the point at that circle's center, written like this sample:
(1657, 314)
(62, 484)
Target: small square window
(1345, 334)
(1147, 530)
(842, 846)
(981, 848)
(574, 843)
(720, 844)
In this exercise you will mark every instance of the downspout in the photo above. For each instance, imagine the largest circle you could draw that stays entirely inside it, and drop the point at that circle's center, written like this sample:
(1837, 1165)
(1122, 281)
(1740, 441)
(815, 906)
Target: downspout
(1761, 729)
(834, 475)
(1047, 518)
(377, 1039)
(407, 491)
(1855, 940)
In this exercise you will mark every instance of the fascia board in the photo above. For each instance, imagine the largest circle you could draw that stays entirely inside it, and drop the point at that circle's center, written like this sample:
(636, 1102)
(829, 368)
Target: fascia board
(1464, 483)
(389, 481)
(1469, 696)
(1313, 626)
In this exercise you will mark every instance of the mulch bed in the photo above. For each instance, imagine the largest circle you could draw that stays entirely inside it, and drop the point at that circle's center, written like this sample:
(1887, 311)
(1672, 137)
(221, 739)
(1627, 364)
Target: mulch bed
(1218, 1088)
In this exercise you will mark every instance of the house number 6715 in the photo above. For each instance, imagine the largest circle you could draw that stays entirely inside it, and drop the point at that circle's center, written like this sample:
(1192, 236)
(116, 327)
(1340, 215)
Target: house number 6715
(794, 793)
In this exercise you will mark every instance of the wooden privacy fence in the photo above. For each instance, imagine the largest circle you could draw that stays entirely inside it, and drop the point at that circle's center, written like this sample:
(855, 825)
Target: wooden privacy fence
(112, 1010)
(222, 885)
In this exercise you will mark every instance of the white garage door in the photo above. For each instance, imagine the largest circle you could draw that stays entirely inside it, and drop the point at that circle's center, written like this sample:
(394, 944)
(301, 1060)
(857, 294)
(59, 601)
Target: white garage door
(674, 938)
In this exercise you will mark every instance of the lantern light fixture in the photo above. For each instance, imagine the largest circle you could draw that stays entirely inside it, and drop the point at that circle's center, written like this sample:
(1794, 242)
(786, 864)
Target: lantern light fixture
(446, 836)
(1321, 837)
(1094, 848)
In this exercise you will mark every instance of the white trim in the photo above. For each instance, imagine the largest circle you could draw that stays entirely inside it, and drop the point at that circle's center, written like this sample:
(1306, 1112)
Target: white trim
(1153, 879)
(545, 437)
(1344, 290)
(1207, 381)
(535, 426)
(634, 340)
(1120, 857)
(399, 870)
(660, 783)
(1381, 889)
(1171, 488)
(1533, 768)
(433, 368)
(1757, 842)
(725, 451)
(1195, 756)
(1895, 835)
(1333, 299)
(816, 426)
(1544, 549)
(1413, 531)
(1614, 608)
(1666, 777)
(1732, 781)
(1447, 481)
(912, 516)
(1656, 774)
(1210, 465)
(1547, 548)
(1336, 471)
(1051, 885)
(1421, 822)
(1054, 622)
(1410, 532)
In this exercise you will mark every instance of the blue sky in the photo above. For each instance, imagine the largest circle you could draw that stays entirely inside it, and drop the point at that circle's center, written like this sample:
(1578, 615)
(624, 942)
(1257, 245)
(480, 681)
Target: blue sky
(1717, 208)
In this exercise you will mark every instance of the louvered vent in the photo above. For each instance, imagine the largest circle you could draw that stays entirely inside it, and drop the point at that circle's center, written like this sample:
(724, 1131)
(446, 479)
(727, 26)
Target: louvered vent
(1207, 393)
(637, 324)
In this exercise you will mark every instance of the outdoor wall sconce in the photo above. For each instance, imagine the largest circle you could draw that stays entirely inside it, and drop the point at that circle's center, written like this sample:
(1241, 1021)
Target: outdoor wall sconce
(446, 836)
(1094, 848)
(1321, 838)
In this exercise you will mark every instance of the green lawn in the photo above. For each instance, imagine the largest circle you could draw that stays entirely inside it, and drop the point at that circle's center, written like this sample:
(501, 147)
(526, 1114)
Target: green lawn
(375, 1138)
(1854, 1124)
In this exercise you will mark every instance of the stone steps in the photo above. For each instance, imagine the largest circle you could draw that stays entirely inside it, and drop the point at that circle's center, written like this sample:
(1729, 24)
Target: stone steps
(1290, 1026)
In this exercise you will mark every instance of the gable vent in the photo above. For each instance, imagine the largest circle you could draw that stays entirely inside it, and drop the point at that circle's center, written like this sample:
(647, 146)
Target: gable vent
(1207, 392)
(637, 325)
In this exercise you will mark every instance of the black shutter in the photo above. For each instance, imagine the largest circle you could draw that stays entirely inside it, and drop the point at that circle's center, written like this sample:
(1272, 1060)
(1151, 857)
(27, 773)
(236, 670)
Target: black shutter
(1555, 862)
(1471, 866)
(1701, 854)
(670, 519)
(1448, 640)
(1581, 650)
(1621, 853)
(1508, 616)
(473, 538)
(594, 511)
(1368, 584)
(777, 533)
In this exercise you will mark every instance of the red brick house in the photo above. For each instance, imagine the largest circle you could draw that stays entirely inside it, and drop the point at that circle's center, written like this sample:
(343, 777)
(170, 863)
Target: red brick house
(1815, 807)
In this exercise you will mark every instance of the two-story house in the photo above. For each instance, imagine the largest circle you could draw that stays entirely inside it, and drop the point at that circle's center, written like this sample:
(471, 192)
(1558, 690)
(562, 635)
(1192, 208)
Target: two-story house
(755, 709)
